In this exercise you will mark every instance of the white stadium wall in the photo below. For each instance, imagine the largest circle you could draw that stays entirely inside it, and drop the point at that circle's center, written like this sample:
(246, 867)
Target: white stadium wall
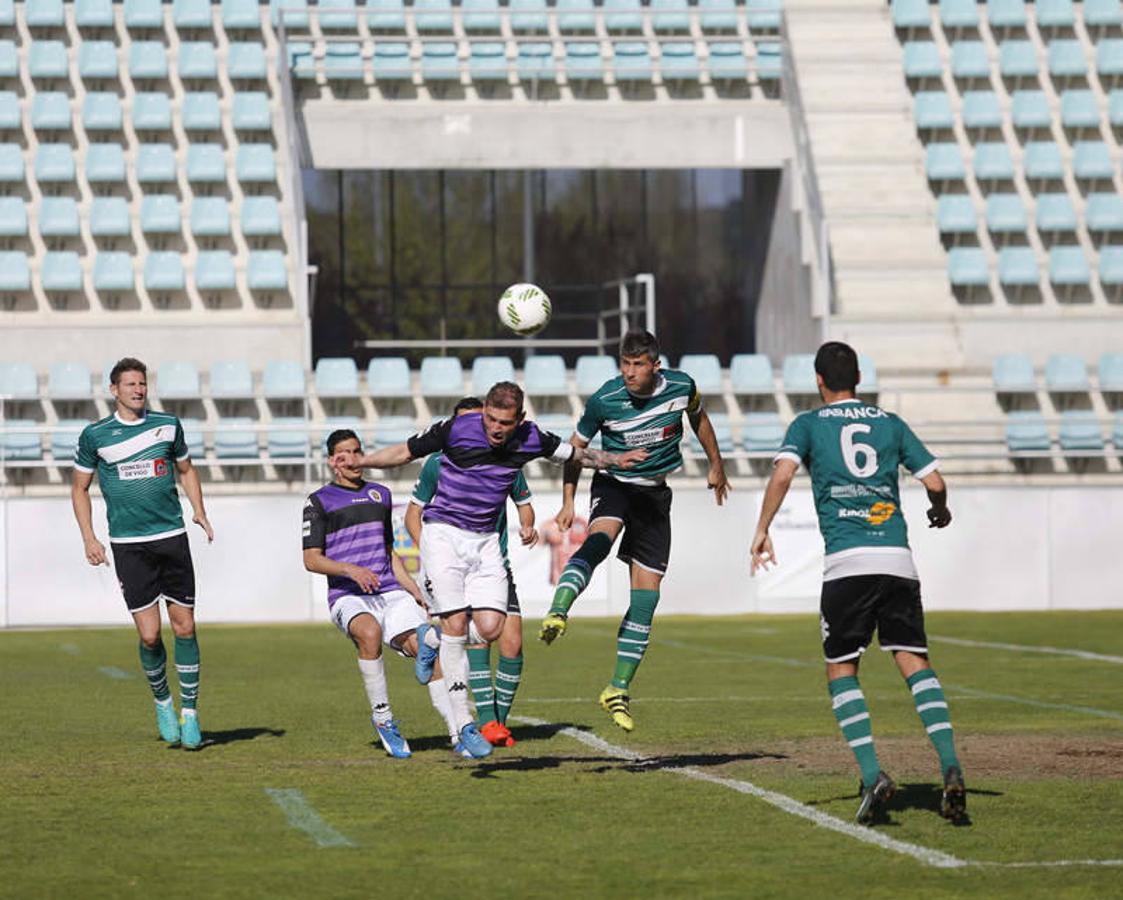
(1019, 548)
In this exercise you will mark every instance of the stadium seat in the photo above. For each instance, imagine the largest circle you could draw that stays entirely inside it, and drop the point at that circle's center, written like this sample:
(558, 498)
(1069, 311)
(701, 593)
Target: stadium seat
(1109, 371)
(58, 217)
(155, 163)
(340, 18)
(956, 15)
(301, 61)
(1080, 114)
(969, 61)
(943, 163)
(705, 369)
(621, 16)
(9, 60)
(11, 163)
(1026, 432)
(295, 13)
(191, 14)
(159, 214)
(282, 380)
(235, 438)
(143, 14)
(260, 217)
(1066, 61)
(1066, 373)
(93, 13)
(1111, 273)
(1006, 14)
(231, 379)
(62, 271)
(750, 374)
(210, 217)
(148, 61)
(214, 271)
(922, 61)
(390, 430)
(536, 62)
(163, 272)
(981, 111)
(718, 15)
(932, 111)
(201, 112)
(105, 163)
(54, 163)
(1104, 216)
(590, 372)
(763, 15)
(18, 381)
(769, 63)
(583, 61)
(50, 110)
(336, 377)
(1018, 273)
(1029, 111)
(20, 440)
(153, 112)
(206, 164)
(439, 61)
(1042, 163)
(670, 17)
(197, 60)
(1100, 16)
(113, 271)
(480, 16)
(64, 438)
(102, 112)
(15, 274)
(1080, 431)
(441, 376)
(528, 16)
(631, 62)
(1092, 163)
(391, 62)
(193, 435)
(43, 13)
(1056, 216)
(246, 61)
(10, 115)
(762, 432)
(266, 271)
(13, 217)
(1109, 61)
(911, 15)
(993, 163)
(97, 60)
(727, 63)
(487, 61)
(488, 370)
(432, 16)
(869, 386)
(254, 163)
(245, 15)
(798, 373)
(343, 62)
(287, 437)
(1054, 15)
(68, 381)
(387, 16)
(1006, 215)
(1017, 61)
(969, 273)
(956, 216)
(1069, 272)
(561, 424)
(47, 60)
(388, 377)
(679, 62)
(544, 376)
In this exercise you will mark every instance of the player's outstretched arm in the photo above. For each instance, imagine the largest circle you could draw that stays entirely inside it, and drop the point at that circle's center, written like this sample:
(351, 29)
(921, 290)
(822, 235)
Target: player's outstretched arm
(386, 458)
(570, 476)
(783, 471)
(84, 515)
(189, 478)
(528, 534)
(405, 579)
(939, 516)
(715, 480)
(591, 458)
(316, 561)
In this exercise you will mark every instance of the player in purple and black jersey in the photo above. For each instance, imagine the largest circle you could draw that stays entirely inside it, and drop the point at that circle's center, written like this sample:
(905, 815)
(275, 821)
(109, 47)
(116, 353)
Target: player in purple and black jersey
(483, 453)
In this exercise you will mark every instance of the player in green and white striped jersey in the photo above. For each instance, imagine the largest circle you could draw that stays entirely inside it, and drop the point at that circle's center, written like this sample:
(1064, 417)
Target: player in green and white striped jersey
(136, 452)
(640, 408)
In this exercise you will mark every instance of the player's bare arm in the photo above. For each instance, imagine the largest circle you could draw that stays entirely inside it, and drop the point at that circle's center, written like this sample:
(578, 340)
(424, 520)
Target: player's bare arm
(716, 480)
(939, 516)
(386, 458)
(189, 478)
(528, 534)
(83, 513)
(316, 561)
(413, 522)
(591, 458)
(570, 476)
(762, 553)
(405, 579)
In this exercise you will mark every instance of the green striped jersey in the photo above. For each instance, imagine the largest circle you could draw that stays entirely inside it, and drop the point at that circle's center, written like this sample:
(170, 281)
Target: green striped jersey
(629, 422)
(135, 465)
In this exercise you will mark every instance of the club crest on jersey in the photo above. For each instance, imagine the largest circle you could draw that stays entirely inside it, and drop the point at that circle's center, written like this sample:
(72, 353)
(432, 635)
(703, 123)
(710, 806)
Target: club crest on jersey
(375, 497)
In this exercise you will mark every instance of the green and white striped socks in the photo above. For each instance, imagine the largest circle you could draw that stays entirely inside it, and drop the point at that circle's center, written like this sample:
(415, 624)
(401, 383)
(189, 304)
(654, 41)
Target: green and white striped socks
(633, 636)
(932, 707)
(479, 681)
(154, 661)
(508, 674)
(577, 572)
(849, 705)
(187, 668)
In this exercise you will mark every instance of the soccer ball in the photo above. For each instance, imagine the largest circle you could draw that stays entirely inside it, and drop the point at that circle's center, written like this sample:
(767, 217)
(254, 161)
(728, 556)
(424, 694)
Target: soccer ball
(525, 309)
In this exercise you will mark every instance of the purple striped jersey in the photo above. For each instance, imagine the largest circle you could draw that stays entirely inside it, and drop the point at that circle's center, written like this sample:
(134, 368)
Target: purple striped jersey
(352, 525)
(476, 478)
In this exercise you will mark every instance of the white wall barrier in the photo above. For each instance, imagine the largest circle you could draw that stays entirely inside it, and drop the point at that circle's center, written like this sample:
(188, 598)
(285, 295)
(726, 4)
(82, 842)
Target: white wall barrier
(1008, 548)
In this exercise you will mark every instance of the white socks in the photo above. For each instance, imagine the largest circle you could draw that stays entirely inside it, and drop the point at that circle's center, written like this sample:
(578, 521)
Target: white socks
(438, 694)
(374, 680)
(454, 664)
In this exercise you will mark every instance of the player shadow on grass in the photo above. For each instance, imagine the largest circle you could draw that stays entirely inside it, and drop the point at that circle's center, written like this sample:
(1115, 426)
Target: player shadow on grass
(519, 733)
(216, 738)
(914, 795)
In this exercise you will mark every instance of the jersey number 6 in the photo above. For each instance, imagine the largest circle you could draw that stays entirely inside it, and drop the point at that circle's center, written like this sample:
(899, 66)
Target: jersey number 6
(852, 448)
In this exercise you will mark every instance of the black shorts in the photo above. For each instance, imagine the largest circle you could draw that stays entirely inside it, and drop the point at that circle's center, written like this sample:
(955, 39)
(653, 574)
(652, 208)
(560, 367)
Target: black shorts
(513, 608)
(851, 608)
(149, 570)
(645, 512)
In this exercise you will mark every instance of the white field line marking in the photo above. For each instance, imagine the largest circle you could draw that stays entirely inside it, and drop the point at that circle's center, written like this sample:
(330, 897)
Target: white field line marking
(764, 698)
(303, 817)
(1029, 648)
(780, 801)
(926, 855)
(114, 672)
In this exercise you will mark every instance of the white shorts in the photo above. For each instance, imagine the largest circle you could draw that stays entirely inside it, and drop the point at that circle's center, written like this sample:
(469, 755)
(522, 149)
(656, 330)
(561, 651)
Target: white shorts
(396, 613)
(465, 569)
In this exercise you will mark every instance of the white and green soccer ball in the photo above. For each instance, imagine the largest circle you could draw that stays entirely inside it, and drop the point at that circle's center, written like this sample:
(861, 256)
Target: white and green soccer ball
(525, 309)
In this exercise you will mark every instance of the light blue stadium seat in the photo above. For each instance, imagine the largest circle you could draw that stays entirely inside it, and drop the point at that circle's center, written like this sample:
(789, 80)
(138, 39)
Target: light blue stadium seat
(148, 60)
(97, 60)
(47, 59)
(141, 14)
(631, 61)
(769, 62)
(113, 271)
(159, 214)
(231, 379)
(1017, 270)
(762, 432)
(105, 163)
(1053, 14)
(1066, 373)
(191, 14)
(7, 13)
(102, 112)
(11, 163)
(9, 60)
(993, 162)
(718, 15)
(727, 62)
(868, 384)
(1066, 59)
(1069, 272)
(197, 60)
(981, 110)
(922, 60)
(343, 61)
(287, 437)
(798, 372)
(583, 61)
(163, 272)
(528, 16)
(433, 16)
(282, 380)
(750, 374)
(969, 60)
(260, 217)
(1115, 108)
(622, 15)
(1079, 111)
(206, 164)
(15, 275)
(93, 13)
(1091, 161)
(439, 61)
(388, 377)
(301, 61)
(488, 370)
(576, 16)
(1006, 214)
(590, 372)
(20, 442)
(1101, 15)
(763, 15)
(1104, 215)
(235, 438)
(1006, 13)
(266, 271)
(968, 269)
(295, 13)
(911, 14)
(245, 15)
(1030, 110)
(43, 13)
(944, 162)
(487, 61)
(201, 112)
(480, 16)
(705, 369)
(536, 61)
(955, 214)
(342, 18)
(392, 62)
(1055, 214)
(386, 16)
(68, 380)
(210, 216)
(544, 376)
(246, 60)
(193, 436)
(959, 14)
(62, 271)
(155, 163)
(251, 112)
(254, 163)
(390, 430)
(54, 163)
(214, 271)
(441, 376)
(18, 380)
(50, 111)
(932, 110)
(1026, 432)
(1109, 370)
(1042, 162)
(1080, 431)
(1017, 61)
(58, 217)
(723, 433)
(679, 62)
(1109, 61)
(11, 116)
(670, 16)
(560, 424)
(64, 438)
(153, 112)
(13, 217)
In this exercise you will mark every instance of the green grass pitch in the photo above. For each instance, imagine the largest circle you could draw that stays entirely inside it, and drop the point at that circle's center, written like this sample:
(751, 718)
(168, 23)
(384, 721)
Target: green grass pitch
(94, 806)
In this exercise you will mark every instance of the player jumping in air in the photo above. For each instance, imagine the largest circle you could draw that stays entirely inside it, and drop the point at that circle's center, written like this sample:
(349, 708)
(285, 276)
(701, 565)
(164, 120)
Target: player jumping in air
(641, 407)
(853, 451)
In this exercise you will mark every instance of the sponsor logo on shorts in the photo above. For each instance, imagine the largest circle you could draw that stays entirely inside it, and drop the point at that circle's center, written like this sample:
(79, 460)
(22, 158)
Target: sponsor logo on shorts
(144, 468)
(877, 514)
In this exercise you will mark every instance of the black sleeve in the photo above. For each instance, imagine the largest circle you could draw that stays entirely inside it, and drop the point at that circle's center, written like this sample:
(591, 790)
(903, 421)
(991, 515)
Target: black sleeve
(314, 529)
(434, 440)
